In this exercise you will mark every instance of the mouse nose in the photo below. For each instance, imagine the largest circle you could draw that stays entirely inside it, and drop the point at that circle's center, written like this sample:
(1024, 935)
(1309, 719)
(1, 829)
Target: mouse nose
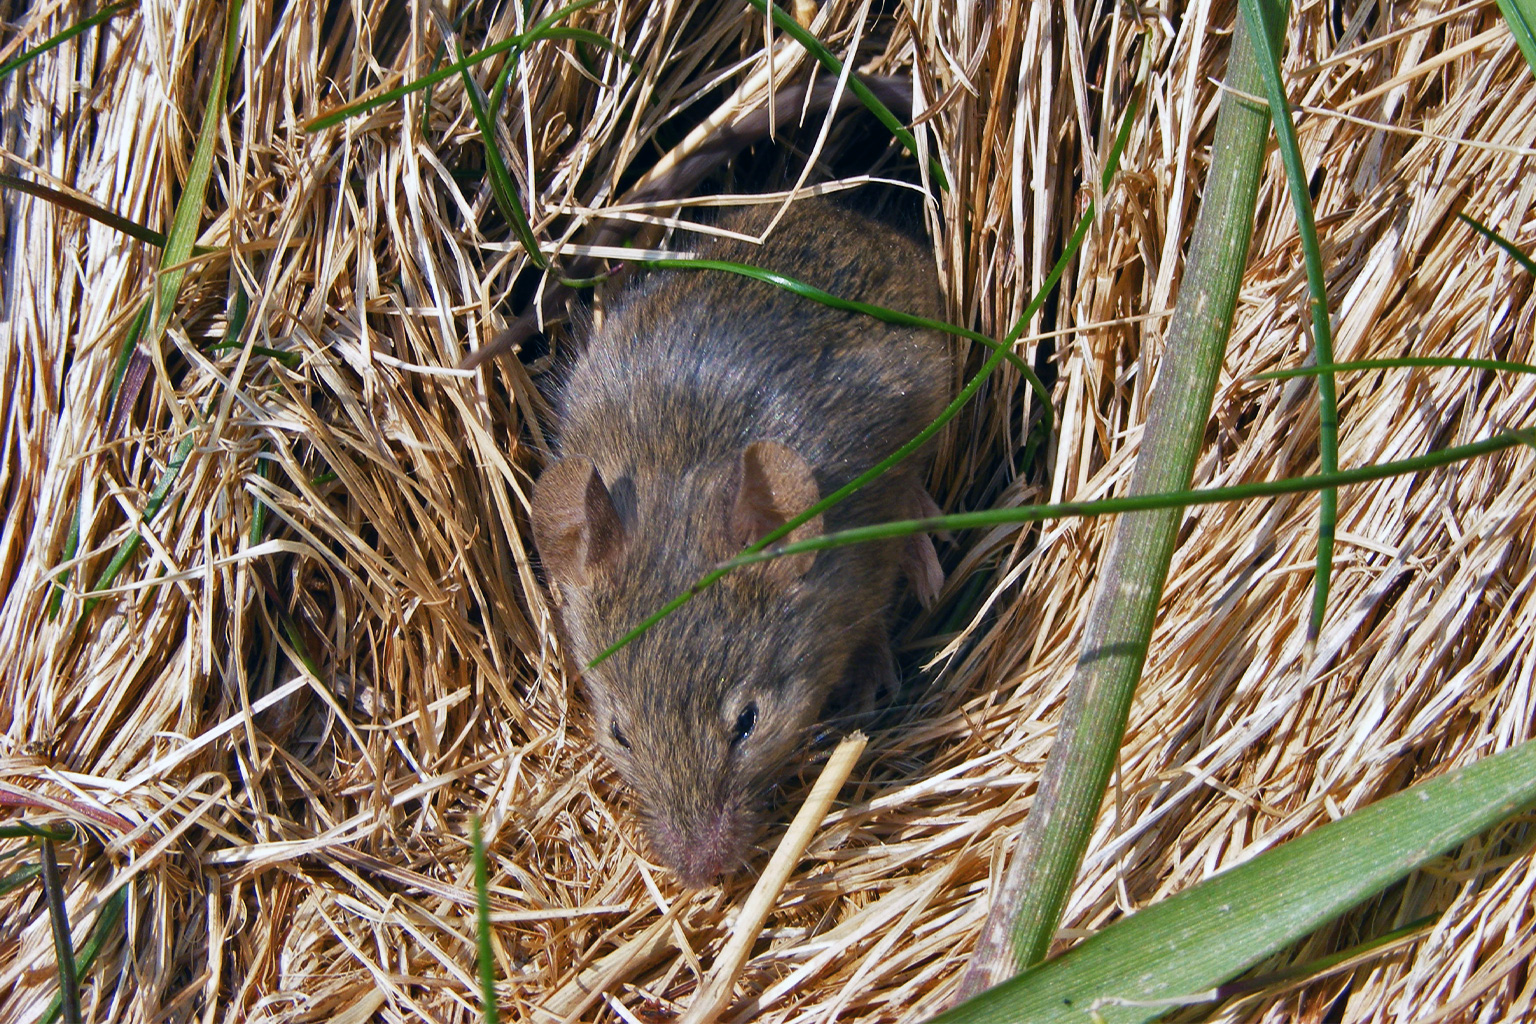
(702, 850)
(698, 866)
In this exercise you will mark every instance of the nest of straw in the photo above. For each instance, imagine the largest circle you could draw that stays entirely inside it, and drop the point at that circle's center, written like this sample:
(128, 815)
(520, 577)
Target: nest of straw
(332, 648)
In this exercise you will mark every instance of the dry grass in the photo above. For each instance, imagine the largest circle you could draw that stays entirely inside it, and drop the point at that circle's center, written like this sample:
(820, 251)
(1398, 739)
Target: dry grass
(294, 845)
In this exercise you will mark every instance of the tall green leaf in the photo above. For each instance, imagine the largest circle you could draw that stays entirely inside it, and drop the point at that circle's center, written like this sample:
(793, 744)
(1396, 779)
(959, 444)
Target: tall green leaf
(1027, 905)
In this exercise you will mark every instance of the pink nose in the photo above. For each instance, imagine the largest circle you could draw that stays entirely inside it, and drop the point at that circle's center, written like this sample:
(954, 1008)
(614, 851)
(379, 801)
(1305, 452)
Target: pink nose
(697, 866)
(701, 851)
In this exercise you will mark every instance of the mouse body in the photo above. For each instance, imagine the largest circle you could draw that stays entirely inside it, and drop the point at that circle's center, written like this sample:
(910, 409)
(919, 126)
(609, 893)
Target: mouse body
(705, 411)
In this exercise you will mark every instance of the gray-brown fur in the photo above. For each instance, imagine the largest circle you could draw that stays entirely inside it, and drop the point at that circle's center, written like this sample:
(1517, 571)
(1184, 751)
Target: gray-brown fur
(708, 409)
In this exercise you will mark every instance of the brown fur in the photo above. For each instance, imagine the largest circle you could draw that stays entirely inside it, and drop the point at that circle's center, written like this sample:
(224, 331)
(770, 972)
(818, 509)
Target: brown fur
(708, 410)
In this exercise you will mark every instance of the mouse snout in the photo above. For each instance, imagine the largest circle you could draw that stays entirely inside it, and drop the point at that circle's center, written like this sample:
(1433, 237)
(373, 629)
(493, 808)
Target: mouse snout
(699, 851)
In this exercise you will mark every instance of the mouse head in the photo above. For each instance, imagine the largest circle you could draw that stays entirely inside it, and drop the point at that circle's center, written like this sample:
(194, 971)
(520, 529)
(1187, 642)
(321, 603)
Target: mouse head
(701, 714)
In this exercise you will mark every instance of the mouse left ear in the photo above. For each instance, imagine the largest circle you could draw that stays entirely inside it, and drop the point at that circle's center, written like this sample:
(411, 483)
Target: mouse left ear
(575, 525)
(773, 485)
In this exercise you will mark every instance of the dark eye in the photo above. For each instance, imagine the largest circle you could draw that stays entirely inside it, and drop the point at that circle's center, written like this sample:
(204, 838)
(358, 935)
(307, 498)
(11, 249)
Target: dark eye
(745, 723)
(618, 736)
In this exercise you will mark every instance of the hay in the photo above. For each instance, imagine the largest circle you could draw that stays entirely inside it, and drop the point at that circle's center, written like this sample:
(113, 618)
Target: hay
(293, 845)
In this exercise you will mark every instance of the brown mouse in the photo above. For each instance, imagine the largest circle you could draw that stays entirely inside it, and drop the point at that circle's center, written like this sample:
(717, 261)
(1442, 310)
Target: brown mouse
(707, 410)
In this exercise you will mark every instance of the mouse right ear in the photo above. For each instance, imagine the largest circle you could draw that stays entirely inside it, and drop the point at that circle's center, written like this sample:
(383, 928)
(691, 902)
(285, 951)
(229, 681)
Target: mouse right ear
(575, 525)
(773, 484)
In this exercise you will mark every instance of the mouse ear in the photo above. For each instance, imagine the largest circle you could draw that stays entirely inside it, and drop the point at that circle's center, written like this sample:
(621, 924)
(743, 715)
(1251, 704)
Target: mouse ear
(773, 485)
(575, 525)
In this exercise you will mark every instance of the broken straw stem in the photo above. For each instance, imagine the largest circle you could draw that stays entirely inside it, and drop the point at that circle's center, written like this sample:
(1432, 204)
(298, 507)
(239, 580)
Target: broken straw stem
(715, 994)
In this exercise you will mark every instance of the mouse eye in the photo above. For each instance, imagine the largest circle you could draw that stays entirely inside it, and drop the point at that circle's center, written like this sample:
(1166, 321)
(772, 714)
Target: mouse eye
(618, 736)
(745, 723)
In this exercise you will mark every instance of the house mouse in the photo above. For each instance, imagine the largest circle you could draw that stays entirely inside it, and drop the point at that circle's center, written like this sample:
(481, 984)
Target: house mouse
(707, 410)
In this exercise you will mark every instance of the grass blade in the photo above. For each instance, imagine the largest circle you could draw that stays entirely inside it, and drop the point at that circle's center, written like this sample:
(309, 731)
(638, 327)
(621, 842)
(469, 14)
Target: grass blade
(100, 214)
(1266, 20)
(785, 22)
(1158, 501)
(1325, 965)
(21, 829)
(1502, 242)
(341, 113)
(487, 958)
(126, 550)
(110, 915)
(1401, 362)
(179, 241)
(890, 316)
(23, 58)
(550, 32)
(1177, 951)
(71, 548)
(63, 945)
(20, 877)
(1027, 906)
(179, 245)
(189, 208)
(1520, 16)
(502, 186)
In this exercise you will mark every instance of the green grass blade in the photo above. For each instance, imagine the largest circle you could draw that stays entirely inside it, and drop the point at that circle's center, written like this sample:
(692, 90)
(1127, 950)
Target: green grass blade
(26, 56)
(125, 353)
(483, 925)
(1157, 501)
(438, 53)
(1177, 951)
(20, 877)
(239, 311)
(114, 398)
(786, 23)
(587, 36)
(1398, 363)
(543, 29)
(890, 316)
(341, 113)
(557, 32)
(1520, 16)
(110, 915)
(259, 510)
(100, 214)
(502, 187)
(71, 546)
(1266, 19)
(22, 829)
(1027, 905)
(63, 944)
(1324, 965)
(189, 208)
(179, 244)
(179, 241)
(1502, 242)
(130, 546)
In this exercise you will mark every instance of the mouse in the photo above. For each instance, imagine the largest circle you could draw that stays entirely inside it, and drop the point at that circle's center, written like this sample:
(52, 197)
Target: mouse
(704, 411)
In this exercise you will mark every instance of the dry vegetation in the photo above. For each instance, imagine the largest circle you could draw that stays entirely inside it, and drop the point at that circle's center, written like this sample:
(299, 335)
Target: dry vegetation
(294, 840)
